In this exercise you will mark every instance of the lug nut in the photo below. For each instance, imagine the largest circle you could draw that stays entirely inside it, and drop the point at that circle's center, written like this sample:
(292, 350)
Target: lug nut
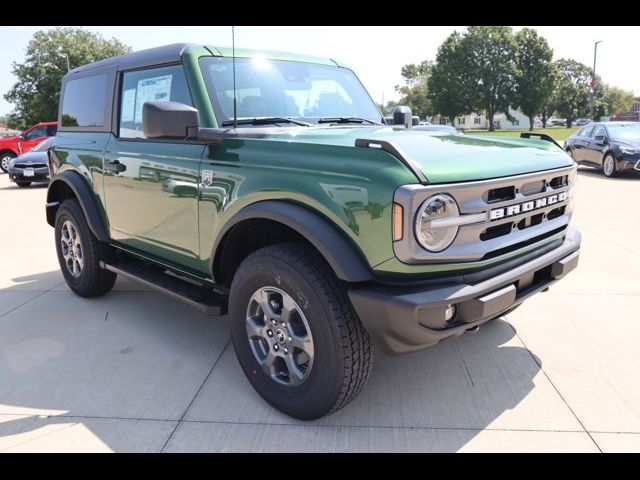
(290, 339)
(286, 350)
(270, 333)
(274, 322)
(276, 347)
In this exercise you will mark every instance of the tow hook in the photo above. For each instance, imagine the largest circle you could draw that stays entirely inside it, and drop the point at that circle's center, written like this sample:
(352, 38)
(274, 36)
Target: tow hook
(473, 329)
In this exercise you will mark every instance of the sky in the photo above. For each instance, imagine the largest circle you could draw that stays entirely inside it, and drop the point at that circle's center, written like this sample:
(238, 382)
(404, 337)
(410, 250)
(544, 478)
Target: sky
(376, 54)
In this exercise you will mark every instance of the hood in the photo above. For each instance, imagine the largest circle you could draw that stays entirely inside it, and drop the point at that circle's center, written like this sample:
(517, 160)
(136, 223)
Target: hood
(32, 157)
(12, 139)
(446, 157)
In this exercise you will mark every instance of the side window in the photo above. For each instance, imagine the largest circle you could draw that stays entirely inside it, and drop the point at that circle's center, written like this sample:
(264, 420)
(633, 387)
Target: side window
(83, 103)
(599, 130)
(52, 130)
(153, 84)
(585, 132)
(36, 133)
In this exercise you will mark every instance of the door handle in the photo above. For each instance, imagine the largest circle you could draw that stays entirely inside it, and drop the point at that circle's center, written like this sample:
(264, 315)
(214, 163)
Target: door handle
(115, 166)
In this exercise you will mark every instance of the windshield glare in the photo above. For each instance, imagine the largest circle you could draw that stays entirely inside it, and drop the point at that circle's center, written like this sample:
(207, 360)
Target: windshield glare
(630, 131)
(278, 88)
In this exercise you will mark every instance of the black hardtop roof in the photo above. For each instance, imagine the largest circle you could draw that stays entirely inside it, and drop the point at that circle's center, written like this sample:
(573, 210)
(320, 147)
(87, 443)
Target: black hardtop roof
(141, 58)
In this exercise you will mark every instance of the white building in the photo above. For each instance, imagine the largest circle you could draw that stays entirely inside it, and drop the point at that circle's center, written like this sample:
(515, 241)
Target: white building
(480, 121)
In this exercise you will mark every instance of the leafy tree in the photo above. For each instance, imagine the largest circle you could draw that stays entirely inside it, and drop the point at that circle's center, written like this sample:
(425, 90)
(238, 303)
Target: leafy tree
(387, 109)
(572, 90)
(617, 100)
(416, 88)
(37, 92)
(450, 89)
(535, 77)
(490, 64)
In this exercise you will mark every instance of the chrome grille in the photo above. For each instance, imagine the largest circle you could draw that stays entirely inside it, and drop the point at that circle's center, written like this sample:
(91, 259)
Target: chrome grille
(535, 217)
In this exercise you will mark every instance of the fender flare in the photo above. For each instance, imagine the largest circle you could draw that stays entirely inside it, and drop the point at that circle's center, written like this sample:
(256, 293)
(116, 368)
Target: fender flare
(82, 192)
(341, 255)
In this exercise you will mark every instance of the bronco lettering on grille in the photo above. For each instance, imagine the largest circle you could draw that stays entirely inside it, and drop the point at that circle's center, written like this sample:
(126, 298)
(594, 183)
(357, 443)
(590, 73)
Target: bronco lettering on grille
(519, 208)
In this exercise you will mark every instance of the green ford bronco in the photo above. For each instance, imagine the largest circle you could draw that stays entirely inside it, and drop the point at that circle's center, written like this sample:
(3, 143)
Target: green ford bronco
(268, 186)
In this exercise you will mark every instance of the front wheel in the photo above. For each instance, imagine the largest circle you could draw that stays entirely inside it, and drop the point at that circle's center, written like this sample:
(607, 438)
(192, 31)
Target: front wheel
(5, 158)
(609, 166)
(296, 335)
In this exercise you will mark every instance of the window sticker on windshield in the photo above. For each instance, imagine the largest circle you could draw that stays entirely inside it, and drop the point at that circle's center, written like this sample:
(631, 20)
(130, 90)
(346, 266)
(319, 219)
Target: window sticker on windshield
(152, 89)
(128, 104)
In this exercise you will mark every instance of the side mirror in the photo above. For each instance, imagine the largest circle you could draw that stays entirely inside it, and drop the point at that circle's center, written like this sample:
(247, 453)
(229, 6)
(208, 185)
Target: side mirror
(23, 135)
(402, 116)
(169, 120)
(601, 138)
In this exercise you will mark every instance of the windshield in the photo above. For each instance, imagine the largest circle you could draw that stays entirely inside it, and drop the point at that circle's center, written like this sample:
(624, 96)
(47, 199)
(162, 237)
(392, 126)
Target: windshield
(628, 130)
(278, 88)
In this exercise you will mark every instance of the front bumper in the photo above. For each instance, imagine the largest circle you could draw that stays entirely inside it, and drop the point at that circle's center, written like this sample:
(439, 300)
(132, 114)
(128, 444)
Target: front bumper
(39, 175)
(408, 319)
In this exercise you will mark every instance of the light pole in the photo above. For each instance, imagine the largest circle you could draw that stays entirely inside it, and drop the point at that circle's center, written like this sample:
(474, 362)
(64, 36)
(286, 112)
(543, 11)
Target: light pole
(593, 80)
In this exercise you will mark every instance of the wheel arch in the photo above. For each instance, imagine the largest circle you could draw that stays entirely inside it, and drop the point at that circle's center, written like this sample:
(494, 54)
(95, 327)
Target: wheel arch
(296, 222)
(70, 184)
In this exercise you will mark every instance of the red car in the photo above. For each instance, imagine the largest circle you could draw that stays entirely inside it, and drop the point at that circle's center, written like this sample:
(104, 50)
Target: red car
(11, 147)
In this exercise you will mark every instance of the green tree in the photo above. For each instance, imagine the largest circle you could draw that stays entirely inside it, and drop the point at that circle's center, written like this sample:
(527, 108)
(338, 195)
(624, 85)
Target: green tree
(387, 109)
(535, 75)
(415, 91)
(450, 89)
(572, 90)
(37, 92)
(490, 66)
(616, 99)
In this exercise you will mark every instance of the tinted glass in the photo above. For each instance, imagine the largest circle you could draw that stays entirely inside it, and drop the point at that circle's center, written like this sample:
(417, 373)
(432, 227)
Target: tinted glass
(585, 132)
(599, 130)
(629, 131)
(153, 84)
(37, 133)
(52, 130)
(83, 104)
(278, 88)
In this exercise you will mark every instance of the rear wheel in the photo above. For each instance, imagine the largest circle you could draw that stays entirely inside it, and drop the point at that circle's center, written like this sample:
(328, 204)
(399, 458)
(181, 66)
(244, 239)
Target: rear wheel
(80, 252)
(5, 158)
(295, 333)
(609, 166)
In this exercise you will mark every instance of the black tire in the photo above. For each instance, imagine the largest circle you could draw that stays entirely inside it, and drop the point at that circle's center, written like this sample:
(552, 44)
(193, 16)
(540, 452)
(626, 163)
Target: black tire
(609, 172)
(91, 281)
(23, 183)
(342, 348)
(5, 158)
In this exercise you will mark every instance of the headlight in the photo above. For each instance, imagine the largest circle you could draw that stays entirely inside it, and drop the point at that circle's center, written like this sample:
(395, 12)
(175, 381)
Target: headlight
(628, 150)
(434, 234)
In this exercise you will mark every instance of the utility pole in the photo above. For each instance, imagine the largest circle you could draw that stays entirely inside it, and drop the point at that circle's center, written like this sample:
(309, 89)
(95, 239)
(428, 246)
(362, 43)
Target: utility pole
(593, 79)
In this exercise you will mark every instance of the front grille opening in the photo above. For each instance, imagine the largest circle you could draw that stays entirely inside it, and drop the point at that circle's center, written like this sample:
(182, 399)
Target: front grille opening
(556, 212)
(559, 182)
(501, 194)
(497, 231)
(532, 188)
(531, 221)
(542, 275)
(519, 245)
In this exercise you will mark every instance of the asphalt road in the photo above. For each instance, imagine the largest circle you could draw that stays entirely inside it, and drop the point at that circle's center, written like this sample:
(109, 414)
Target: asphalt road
(136, 371)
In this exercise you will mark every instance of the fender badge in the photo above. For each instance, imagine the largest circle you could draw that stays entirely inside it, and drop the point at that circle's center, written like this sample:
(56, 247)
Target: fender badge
(207, 177)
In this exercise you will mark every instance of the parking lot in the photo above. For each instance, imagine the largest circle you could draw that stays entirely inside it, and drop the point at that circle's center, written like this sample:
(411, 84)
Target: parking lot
(137, 371)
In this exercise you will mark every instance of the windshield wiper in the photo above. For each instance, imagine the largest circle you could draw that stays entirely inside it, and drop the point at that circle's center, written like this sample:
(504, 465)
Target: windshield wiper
(347, 120)
(264, 121)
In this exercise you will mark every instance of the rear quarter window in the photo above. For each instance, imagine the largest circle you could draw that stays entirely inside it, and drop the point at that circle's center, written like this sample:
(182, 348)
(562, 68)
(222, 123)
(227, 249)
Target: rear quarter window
(83, 102)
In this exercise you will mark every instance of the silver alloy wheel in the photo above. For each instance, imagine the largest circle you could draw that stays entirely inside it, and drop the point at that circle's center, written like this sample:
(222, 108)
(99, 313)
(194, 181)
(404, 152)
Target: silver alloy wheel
(6, 159)
(609, 165)
(72, 251)
(279, 335)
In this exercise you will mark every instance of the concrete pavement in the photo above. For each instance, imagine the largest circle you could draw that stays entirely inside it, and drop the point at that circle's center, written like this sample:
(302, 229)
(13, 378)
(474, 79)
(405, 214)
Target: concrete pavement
(136, 371)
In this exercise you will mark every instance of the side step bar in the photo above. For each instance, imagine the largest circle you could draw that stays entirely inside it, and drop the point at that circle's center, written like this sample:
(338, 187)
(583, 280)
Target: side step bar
(204, 299)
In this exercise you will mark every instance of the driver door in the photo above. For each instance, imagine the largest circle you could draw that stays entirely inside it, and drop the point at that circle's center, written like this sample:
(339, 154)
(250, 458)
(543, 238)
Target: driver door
(597, 147)
(32, 138)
